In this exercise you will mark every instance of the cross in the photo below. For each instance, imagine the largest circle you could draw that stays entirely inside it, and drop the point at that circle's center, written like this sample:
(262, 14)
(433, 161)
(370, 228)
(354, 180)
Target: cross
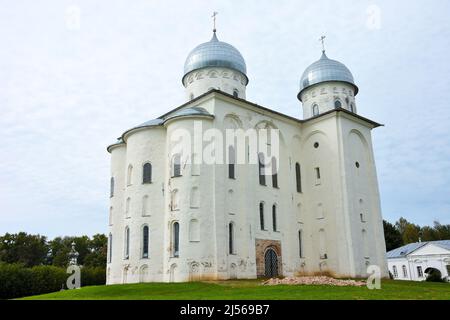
(214, 19)
(322, 39)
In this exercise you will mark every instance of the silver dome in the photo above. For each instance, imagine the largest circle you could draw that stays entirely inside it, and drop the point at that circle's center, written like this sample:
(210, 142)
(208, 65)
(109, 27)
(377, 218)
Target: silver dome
(215, 53)
(192, 111)
(324, 70)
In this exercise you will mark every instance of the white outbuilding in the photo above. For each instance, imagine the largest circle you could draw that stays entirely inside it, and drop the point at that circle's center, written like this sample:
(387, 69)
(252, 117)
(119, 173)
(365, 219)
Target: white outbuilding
(310, 205)
(415, 261)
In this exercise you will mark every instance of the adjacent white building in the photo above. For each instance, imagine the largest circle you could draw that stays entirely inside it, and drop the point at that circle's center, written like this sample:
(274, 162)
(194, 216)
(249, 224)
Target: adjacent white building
(172, 219)
(415, 260)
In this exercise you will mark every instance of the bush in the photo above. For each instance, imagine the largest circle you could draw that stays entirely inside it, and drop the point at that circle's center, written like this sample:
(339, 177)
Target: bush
(18, 281)
(15, 281)
(93, 276)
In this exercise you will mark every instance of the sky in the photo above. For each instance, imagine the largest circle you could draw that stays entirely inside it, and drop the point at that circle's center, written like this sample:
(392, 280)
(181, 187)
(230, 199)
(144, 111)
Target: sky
(75, 74)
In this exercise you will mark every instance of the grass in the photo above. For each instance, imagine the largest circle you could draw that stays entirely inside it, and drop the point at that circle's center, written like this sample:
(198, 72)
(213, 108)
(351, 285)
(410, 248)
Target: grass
(252, 289)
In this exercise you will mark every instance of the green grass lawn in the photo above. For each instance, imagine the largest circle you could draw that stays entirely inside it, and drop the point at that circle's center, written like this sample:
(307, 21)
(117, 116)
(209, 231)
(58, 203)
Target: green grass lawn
(252, 289)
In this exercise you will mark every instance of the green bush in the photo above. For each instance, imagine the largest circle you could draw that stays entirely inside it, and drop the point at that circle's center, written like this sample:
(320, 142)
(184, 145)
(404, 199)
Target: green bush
(18, 281)
(93, 276)
(15, 281)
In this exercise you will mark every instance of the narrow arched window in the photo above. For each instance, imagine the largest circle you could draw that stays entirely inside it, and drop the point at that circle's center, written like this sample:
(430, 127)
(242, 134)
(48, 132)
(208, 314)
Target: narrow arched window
(298, 177)
(405, 273)
(176, 166)
(231, 163)
(230, 238)
(235, 93)
(274, 218)
(261, 169)
(111, 188)
(110, 248)
(127, 243)
(127, 207)
(315, 110)
(337, 104)
(394, 270)
(261, 215)
(129, 174)
(147, 173)
(300, 245)
(175, 239)
(145, 242)
(274, 173)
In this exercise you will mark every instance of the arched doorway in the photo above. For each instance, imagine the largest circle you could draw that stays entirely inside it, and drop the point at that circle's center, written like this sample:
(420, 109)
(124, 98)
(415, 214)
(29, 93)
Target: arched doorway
(433, 274)
(270, 263)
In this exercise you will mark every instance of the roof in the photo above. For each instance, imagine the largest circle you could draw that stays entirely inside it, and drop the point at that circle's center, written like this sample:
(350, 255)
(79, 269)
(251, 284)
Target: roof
(183, 111)
(325, 70)
(410, 247)
(215, 53)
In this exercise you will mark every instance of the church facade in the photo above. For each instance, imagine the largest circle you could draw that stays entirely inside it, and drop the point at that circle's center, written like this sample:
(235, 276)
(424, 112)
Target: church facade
(173, 218)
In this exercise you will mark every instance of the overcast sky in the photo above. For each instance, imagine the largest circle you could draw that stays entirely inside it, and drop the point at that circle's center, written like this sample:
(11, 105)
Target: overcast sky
(75, 74)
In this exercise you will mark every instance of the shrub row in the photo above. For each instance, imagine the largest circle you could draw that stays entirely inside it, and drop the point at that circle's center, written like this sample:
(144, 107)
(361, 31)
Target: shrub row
(18, 281)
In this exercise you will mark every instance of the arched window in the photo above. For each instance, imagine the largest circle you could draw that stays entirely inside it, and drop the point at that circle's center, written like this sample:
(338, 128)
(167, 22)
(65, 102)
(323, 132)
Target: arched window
(274, 173)
(300, 245)
(337, 103)
(145, 241)
(298, 177)
(174, 200)
(261, 169)
(127, 243)
(110, 248)
(231, 238)
(231, 162)
(175, 239)
(129, 175)
(145, 205)
(235, 93)
(315, 110)
(405, 273)
(147, 173)
(261, 215)
(274, 218)
(111, 190)
(127, 207)
(195, 197)
(394, 270)
(194, 230)
(176, 166)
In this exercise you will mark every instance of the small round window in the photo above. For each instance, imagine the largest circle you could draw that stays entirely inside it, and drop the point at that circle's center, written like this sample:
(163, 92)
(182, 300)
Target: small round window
(357, 164)
(316, 145)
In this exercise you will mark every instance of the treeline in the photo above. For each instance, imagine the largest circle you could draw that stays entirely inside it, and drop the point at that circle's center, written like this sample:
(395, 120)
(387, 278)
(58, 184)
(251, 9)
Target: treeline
(35, 250)
(31, 264)
(403, 232)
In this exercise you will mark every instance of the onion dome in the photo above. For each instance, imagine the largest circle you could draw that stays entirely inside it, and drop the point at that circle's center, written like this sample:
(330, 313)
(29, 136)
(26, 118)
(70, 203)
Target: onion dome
(325, 70)
(215, 53)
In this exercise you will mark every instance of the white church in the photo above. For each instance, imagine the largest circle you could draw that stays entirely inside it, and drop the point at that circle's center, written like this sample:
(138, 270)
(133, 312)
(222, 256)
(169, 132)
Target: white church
(318, 211)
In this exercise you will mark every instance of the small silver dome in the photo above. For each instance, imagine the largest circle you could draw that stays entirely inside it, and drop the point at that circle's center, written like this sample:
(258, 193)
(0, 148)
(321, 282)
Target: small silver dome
(192, 111)
(215, 53)
(324, 70)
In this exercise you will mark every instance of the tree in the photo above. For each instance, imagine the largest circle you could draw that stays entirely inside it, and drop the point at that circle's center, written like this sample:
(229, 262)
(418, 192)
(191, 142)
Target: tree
(392, 236)
(98, 247)
(29, 250)
(410, 232)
